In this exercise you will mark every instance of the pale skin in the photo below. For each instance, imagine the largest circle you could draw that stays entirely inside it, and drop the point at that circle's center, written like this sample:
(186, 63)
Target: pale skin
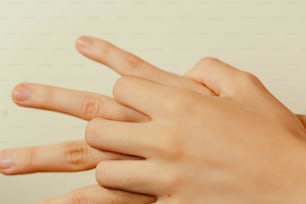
(79, 156)
(241, 147)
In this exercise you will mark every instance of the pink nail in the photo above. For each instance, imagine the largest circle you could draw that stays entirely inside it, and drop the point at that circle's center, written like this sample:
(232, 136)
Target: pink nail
(6, 161)
(22, 92)
(84, 41)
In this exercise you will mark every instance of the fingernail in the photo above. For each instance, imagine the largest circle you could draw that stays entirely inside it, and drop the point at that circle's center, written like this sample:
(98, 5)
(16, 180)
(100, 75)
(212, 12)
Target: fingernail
(22, 92)
(6, 161)
(84, 41)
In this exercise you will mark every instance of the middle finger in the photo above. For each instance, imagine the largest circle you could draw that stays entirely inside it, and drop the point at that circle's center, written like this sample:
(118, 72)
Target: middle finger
(84, 105)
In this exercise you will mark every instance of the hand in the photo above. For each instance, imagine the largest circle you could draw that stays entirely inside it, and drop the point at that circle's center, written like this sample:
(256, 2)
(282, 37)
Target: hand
(77, 155)
(241, 147)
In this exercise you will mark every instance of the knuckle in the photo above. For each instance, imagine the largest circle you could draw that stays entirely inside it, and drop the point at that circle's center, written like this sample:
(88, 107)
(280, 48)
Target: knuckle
(173, 147)
(249, 79)
(208, 61)
(101, 175)
(91, 108)
(79, 197)
(104, 50)
(76, 153)
(32, 154)
(172, 178)
(119, 86)
(177, 103)
(133, 61)
(47, 96)
(180, 102)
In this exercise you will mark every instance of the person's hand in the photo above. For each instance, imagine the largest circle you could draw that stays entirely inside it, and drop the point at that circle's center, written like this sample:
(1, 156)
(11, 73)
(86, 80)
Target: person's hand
(77, 155)
(241, 147)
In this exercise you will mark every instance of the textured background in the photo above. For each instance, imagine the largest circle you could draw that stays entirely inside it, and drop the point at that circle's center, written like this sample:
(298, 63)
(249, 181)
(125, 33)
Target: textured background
(266, 37)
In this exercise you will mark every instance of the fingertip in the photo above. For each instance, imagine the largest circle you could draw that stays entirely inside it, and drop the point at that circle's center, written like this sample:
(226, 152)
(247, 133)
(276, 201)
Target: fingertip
(84, 42)
(7, 172)
(76, 43)
(21, 92)
(6, 162)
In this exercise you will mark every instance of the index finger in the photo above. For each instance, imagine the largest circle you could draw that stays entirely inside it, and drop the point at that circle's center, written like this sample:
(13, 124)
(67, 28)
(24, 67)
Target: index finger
(126, 63)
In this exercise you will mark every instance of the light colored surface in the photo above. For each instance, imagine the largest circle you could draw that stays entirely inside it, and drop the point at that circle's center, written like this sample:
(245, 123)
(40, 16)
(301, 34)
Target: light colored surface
(266, 37)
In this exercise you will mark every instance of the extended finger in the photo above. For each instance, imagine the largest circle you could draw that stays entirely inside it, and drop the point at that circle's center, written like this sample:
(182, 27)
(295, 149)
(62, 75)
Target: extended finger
(128, 64)
(97, 195)
(70, 156)
(81, 104)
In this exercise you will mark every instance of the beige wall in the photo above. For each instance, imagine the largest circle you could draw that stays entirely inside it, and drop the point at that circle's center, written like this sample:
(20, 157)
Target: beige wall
(266, 37)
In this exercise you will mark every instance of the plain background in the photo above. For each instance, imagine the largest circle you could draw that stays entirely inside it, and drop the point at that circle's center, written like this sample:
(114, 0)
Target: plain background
(265, 37)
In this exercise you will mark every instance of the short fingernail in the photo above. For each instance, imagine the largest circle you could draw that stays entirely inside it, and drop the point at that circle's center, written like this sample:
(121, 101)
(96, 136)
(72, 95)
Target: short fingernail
(6, 161)
(84, 41)
(22, 92)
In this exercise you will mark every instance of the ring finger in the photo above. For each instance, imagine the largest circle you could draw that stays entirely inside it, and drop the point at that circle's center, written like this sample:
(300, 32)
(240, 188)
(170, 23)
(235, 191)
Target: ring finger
(65, 157)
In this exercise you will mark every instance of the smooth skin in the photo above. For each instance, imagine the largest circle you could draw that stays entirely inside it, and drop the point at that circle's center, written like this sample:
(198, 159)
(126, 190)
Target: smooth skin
(77, 155)
(241, 147)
